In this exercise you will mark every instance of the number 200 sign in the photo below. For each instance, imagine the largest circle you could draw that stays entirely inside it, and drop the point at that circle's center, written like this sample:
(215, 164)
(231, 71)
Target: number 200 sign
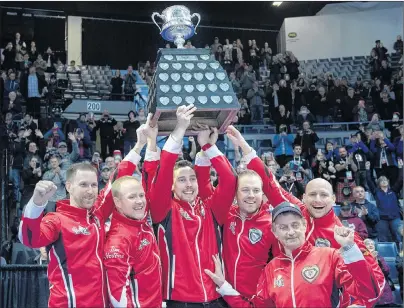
(93, 106)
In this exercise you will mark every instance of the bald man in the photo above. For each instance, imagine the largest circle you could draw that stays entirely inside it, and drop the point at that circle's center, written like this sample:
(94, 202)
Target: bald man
(317, 208)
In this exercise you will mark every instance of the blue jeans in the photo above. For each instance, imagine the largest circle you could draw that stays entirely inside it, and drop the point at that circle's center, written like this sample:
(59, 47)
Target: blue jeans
(128, 145)
(388, 230)
(257, 113)
(15, 178)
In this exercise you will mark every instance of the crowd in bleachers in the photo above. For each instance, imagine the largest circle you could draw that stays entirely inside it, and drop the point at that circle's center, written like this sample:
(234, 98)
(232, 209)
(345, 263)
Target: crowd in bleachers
(273, 89)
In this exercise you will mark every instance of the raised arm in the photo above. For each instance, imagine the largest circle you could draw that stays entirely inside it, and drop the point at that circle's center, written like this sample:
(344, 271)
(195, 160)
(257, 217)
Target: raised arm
(223, 196)
(160, 194)
(369, 179)
(202, 171)
(35, 231)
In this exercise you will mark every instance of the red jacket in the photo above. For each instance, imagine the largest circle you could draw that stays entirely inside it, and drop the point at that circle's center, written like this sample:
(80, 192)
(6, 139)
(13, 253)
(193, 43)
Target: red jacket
(132, 259)
(75, 240)
(311, 279)
(188, 235)
(246, 242)
(320, 231)
(355, 223)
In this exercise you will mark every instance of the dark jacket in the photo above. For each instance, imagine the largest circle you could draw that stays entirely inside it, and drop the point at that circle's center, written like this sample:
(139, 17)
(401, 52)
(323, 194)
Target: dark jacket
(16, 107)
(24, 84)
(116, 83)
(347, 107)
(387, 202)
(371, 219)
(18, 151)
(9, 56)
(361, 154)
(321, 108)
(106, 127)
(355, 223)
(377, 151)
(131, 127)
(307, 142)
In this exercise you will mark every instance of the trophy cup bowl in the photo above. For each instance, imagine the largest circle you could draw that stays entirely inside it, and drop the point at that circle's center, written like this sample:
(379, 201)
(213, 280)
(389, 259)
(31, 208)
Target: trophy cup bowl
(177, 24)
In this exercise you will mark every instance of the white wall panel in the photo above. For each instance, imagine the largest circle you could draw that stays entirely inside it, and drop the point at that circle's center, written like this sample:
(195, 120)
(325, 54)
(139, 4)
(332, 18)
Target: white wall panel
(74, 34)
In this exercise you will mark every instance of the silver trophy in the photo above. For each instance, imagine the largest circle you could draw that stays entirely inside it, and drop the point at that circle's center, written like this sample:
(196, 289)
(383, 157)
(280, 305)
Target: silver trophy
(177, 24)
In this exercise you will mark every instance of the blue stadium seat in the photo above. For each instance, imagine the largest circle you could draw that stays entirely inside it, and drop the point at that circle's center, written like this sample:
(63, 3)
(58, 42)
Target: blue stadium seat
(251, 143)
(338, 141)
(335, 59)
(265, 143)
(387, 250)
(346, 140)
(393, 270)
(250, 130)
(337, 209)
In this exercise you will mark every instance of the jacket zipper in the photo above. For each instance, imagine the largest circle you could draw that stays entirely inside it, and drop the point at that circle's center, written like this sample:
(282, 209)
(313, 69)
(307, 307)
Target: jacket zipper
(98, 257)
(239, 253)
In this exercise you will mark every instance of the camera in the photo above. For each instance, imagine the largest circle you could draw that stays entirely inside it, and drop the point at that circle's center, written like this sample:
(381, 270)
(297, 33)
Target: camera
(38, 165)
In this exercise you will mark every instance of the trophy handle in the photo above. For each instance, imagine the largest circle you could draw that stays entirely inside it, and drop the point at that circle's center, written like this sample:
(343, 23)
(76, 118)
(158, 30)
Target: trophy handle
(158, 15)
(199, 19)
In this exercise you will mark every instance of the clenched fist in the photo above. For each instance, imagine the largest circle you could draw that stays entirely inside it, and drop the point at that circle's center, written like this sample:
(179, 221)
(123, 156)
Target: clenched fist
(43, 191)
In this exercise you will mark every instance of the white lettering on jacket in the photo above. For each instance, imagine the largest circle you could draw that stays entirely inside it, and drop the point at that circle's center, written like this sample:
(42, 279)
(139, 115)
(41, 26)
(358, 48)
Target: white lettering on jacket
(113, 253)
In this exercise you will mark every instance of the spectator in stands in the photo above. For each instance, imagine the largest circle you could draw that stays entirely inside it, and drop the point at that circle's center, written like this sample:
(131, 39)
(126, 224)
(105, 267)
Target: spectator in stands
(398, 142)
(283, 144)
(307, 139)
(346, 169)
(32, 52)
(385, 162)
(30, 176)
(350, 220)
(18, 57)
(275, 68)
(130, 136)
(110, 163)
(58, 176)
(129, 88)
(376, 124)
(321, 105)
(244, 115)
(394, 126)
(386, 299)
(381, 51)
(59, 66)
(386, 107)
(235, 84)
(11, 84)
(32, 88)
(35, 150)
(266, 55)
(67, 159)
(290, 183)
(119, 133)
(49, 57)
(331, 151)
(385, 73)
(298, 91)
(247, 80)
(256, 96)
(374, 64)
(292, 65)
(219, 55)
(73, 68)
(285, 95)
(398, 45)
(348, 105)
(106, 126)
(105, 174)
(18, 41)
(299, 165)
(361, 155)
(304, 115)
(254, 61)
(323, 168)
(236, 55)
(116, 83)
(41, 258)
(365, 210)
(361, 111)
(9, 57)
(12, 105)
(214, 46)
(40, 65)
(283, 117)
(84, 144)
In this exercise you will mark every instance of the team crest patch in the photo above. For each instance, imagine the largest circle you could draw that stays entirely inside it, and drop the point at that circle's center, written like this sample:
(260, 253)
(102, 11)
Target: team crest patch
(254, 235)
(278, 282)
(80, 230)
(143, 244)
(185, 214)
(322, 242)
(232, 227)
(310, 273)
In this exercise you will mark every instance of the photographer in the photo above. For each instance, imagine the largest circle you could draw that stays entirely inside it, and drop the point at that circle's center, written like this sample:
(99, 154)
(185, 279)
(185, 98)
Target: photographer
(299, 165)
(106, 126)
(289, 182)
(256, 95)
(129, 88)
(283, 143)
(283, 117)
(361, 155)
(346, 169)
(307, 139)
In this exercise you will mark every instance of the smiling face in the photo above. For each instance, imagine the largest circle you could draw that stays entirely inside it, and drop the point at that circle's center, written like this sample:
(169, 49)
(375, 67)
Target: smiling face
(129, 197)
(185, 186)
(290, 230)
(319, 197)
(83, 188)
(249, 192)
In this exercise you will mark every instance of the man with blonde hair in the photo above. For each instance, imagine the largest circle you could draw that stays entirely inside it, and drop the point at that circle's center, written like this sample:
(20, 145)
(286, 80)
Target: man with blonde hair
(131, 255)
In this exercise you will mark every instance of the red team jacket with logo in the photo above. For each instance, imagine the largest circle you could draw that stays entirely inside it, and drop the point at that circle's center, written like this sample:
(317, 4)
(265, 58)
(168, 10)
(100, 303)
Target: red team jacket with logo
(132, 259)
(312, 277)
(75, 240)
(246, 242)
(320, 231)
(189, 235)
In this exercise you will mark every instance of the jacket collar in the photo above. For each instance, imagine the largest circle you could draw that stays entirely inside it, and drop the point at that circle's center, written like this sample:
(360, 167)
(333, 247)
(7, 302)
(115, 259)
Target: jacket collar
(326, 220)
(63, 206)
(116, 216)
(298, 253)
(235, 212)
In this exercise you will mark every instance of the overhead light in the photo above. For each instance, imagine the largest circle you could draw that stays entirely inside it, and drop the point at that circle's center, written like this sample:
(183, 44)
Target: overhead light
(277, 3)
